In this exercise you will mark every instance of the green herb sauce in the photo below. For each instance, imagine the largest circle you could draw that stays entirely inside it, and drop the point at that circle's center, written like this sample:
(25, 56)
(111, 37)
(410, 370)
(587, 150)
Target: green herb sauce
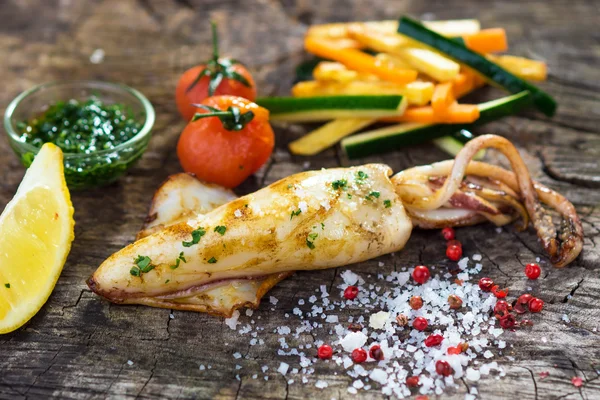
(86, 127)
(81, 127)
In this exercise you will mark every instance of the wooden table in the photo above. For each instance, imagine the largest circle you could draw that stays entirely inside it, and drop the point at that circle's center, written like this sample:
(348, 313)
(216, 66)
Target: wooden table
(78, 346)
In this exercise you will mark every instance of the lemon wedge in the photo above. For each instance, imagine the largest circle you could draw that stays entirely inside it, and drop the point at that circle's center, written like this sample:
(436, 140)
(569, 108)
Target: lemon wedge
(36, 231)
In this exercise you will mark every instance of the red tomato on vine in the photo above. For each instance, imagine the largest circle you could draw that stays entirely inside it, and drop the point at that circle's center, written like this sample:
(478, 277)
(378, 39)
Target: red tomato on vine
(227, 140)
(219, 76)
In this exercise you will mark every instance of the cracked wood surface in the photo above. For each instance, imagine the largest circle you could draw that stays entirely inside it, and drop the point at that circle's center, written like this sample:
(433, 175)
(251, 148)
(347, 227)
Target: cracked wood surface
(78, 346)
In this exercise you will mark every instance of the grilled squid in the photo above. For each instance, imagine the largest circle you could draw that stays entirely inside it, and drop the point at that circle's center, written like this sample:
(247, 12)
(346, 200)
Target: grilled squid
(202, 249)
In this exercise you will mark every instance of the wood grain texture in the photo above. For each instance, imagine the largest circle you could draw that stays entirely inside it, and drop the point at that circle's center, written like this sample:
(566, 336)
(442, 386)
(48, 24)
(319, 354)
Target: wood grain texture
(78, 346)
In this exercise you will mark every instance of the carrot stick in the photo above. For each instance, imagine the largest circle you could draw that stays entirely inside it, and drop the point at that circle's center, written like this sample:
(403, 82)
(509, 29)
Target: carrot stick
(462, 84)
(456, 113)
(487, 40)
(358, 61)
(478, 80)
(442, 99)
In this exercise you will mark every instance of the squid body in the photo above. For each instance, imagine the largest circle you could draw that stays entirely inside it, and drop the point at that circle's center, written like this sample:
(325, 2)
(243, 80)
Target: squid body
(203, 249)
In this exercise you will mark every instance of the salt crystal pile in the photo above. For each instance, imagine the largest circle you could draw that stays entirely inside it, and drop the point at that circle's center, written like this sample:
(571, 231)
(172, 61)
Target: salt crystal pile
(373, 322)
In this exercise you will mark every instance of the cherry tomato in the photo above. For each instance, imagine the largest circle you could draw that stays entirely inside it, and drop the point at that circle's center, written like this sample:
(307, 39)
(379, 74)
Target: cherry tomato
(218, 76)
(222, 151)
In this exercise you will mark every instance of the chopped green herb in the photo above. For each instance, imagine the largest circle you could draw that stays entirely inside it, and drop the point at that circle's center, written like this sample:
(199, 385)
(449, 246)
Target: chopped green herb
(371, 195)
(349, 196)
(313, 236)
(290, 186)
(360, 177)
(167, 281)
(221, 229)
(212, 260)
(178, 261)
(7, 285)
(295, 213)
(310, 244)
(142, 261)
(339, 184)
(196, 235)
(322, 225)
(387, 203)
(143, 265)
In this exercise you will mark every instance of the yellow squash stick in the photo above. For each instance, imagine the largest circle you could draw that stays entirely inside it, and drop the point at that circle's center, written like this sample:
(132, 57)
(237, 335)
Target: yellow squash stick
(431, 63)
(451, 28)
(417, 93)
(522, 67)
(328, 135)
(327, 71)
(414, 54)
(358, 61)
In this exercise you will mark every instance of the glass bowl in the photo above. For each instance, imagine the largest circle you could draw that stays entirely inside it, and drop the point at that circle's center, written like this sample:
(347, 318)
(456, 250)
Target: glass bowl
(83, 171)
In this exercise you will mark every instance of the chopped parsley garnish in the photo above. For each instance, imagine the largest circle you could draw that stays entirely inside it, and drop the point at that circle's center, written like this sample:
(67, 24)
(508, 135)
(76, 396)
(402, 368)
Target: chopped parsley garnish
(322, 225)
(143, 265)
(371, 195)
(7, 285)
(349, 196)
(290, 186)
(312, 237)
(167, 281)
(179, 259)
(360, 177)
(387, 203)
(295, 213)
(339, 184)
(221, 229)
(196, 235)
(212, 260)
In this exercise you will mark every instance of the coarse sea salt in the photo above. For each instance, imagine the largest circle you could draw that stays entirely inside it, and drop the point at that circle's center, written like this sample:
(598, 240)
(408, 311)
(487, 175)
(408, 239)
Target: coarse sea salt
(353, 340)
(378, 320)
(283, 368)
(321, 384)
(379, 375)
(373, 316)
(349, 277)
(232, 322)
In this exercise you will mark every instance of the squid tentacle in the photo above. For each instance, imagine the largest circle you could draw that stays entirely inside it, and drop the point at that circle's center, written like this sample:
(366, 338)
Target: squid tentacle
(563, 246)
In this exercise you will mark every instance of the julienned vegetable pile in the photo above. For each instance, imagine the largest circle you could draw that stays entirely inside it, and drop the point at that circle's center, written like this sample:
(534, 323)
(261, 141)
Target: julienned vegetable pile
(408, 74)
